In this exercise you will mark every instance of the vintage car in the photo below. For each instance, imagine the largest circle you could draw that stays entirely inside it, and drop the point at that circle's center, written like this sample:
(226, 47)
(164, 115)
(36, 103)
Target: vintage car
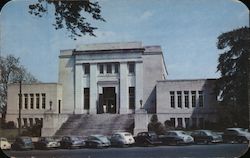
(147, 139)
(236, 135)
(22, 143)
(206, 136)
(46, 143)
(4, 144)
(122, 139)
(176, 137)
(69, 142)
(97, 141)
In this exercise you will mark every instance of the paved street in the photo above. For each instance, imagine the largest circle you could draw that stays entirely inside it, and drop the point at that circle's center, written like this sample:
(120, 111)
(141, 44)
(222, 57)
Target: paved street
(202, 151)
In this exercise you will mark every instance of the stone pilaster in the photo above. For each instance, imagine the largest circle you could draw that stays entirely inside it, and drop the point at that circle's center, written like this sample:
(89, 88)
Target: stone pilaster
(93, 88)
(78, 89)
(138, 84)
(123, 88)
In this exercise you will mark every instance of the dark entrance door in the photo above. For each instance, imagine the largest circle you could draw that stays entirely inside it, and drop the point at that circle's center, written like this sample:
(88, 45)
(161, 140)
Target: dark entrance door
(109, 100)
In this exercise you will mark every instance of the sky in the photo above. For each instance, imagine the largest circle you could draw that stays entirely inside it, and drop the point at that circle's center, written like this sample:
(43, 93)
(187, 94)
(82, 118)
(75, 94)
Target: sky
(186, 30)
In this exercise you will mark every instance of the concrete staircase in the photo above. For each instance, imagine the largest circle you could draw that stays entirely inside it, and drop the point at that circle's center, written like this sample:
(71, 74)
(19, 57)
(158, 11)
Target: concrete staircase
(106, 124)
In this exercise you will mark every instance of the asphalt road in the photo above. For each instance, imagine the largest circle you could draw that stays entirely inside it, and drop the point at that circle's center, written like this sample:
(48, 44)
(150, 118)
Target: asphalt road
(197, 151)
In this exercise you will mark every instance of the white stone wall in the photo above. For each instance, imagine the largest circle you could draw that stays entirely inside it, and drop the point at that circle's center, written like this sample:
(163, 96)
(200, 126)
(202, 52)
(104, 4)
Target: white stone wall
(52, 91)
(153, 70)
(165, 111)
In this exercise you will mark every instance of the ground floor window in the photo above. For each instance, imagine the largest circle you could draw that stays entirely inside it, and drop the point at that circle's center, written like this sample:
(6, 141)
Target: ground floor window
(172, 120)
(86, 98)
(131, 97)
(179, 120)
(187, 120)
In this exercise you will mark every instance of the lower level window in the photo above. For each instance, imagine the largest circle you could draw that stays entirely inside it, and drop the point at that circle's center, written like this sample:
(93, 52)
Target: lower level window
(86, 98)
(131, 97)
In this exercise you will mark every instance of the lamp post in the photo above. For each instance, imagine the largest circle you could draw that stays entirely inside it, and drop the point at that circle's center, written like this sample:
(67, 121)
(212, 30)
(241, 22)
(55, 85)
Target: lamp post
(20, 107)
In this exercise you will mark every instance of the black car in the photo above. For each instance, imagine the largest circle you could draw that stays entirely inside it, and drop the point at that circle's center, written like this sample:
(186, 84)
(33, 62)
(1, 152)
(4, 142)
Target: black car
(146, 139)
(170, 138)
(22, 143)
(46, 143)
(97, 141)
(206, 136)
(236, 135)
(69, 142)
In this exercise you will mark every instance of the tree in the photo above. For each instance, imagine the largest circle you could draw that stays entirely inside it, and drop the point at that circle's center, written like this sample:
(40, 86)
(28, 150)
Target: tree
(232, 86)
(74, 15)
(11, 71)
(156, 126)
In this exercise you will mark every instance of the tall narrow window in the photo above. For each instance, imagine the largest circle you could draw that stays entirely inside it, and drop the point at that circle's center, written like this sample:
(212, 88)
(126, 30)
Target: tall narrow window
(31, 121)
(101, 68)
(193, 98)
(131, 97)
(116, 68)
(186, 95)
(109, 68)
(37, 101)
(172, 120)
(43, 100)
(179, 99)
(25, 122)
(172, 97)
(200, 98)
(131, 68)
(26, 101)
(59, 106)
(32, 101)
(86, 69)
(179, 120)
(86, 98)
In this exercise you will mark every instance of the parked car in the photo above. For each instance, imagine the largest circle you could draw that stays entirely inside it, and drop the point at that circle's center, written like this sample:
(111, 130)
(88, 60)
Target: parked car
(122, 139)
(146, 139)
(176, 137)
(68, 142)
(206, 136)
(4, 144)
(46, 143)
(236, 135)
(97, 141)
(22, 143)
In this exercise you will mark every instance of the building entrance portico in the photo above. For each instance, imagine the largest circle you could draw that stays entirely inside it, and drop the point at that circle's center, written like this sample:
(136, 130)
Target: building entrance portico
(107, 101)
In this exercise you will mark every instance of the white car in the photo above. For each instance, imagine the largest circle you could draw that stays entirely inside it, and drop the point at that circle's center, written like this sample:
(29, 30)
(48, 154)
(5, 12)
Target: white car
(186, 139)
(121, 139)
(4, 144)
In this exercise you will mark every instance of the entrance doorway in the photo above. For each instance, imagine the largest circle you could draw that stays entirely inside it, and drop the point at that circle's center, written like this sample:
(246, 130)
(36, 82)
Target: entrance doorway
(107, 100)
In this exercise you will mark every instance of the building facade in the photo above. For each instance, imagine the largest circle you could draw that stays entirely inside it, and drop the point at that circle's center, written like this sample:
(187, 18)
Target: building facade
(115, 78)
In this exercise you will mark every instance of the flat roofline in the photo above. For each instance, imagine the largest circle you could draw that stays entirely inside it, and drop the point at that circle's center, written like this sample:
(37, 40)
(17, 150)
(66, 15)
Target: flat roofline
(78, 52)
(180, 80)
(49, 83)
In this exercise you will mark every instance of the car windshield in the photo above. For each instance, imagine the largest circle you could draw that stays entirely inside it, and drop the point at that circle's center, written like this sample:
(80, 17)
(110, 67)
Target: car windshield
(49, 139)
(102, 138)
(26, 140)
(208, 132)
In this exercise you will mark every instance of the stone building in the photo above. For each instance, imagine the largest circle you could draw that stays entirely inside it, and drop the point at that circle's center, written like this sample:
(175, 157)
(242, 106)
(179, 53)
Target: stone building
(118, 79)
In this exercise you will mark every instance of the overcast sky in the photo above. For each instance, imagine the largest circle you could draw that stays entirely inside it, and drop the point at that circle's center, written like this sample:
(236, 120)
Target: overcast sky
(187, 31)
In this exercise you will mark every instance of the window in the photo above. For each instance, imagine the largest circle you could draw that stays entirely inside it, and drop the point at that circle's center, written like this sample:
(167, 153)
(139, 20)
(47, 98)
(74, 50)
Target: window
(179, 99)
(37, 101)
(43, 100)
(179, 120)
(116, 68)
(186, 96)
(131, 68)
(86, 69)
(31, 121)
(193, 98)
(25, 122)
(172, 102)
(59, 106)
(26, 101)
(131, 97)
(200, 98)
(86, 98)
(187, 122)
(32, 101)
(109, 68)
(101, 68)
(172, 120)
